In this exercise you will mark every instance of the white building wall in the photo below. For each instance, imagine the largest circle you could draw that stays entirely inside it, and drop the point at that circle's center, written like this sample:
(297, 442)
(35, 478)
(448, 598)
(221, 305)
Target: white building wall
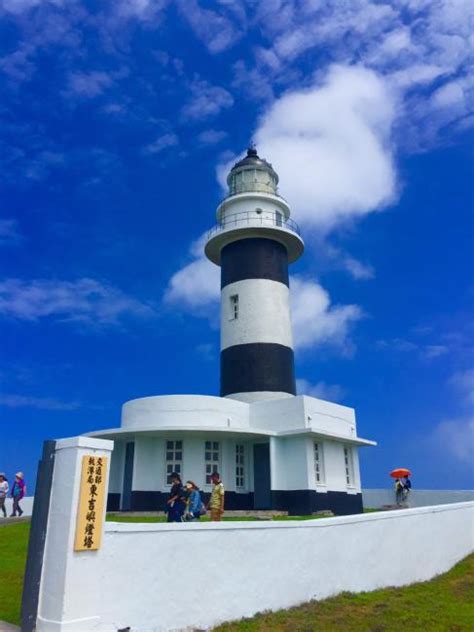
(149, 474)
(116, 468)
(336, 470)
(182, 411)
(289, 464)
(263, 313)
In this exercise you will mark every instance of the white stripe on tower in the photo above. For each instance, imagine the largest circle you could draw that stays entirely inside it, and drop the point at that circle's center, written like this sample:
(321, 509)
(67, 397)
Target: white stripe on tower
(255, 310)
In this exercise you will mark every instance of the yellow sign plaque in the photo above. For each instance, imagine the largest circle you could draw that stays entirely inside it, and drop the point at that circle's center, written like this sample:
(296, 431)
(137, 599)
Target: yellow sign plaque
(90, 515)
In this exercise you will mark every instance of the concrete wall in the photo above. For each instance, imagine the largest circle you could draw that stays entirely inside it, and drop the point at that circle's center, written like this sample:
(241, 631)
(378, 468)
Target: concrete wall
(141, 569)
(418, 497)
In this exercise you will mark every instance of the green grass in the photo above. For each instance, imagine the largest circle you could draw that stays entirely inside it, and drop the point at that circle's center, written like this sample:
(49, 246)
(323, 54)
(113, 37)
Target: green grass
(13, 547)
(444, 604)
(162, 518)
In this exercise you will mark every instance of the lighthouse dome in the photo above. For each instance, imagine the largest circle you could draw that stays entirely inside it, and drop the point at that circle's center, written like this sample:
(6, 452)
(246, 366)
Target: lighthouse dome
(252, 174)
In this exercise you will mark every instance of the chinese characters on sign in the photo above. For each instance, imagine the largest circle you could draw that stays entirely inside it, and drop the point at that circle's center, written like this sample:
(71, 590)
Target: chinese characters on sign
(90, 515)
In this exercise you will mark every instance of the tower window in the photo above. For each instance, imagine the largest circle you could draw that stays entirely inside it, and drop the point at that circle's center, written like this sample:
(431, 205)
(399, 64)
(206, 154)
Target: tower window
(174, 459)
(319, 463)
(278, 218)
(349, 466)
(234, 307)
(239, 466)
(212, 458)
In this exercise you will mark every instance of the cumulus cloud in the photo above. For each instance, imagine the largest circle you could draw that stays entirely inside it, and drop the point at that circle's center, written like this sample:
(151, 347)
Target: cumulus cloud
(85, 301)
(321, 390)
(330, 144)
(315, 321)
(197, 284)
(89, 84)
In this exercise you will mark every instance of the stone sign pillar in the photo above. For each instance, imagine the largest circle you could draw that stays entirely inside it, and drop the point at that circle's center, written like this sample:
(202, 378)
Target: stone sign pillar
(67, 572)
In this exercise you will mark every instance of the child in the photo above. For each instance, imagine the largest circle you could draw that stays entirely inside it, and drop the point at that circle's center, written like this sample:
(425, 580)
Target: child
(3, 493)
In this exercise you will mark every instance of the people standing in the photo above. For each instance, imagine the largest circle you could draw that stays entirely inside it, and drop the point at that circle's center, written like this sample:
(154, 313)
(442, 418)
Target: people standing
(176, 499)
(216, 503)
(3, 493)
(194, 505)
(398, 491)
(406, 488)
(17, 493)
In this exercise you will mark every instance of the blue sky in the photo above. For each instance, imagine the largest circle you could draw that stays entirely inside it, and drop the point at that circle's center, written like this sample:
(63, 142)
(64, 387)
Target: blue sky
(119, 120)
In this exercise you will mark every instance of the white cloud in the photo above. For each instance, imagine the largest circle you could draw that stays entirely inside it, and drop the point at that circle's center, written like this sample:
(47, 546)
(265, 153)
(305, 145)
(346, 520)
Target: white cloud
(162, 142)
(9, 232)
(357, 269)
(330, 145)
(456, 437)
(463, 382)
(315, 321)
(320, 390)
(206, 101)
(85, 300)
(212, 136)
(89, 84)
(42, 403)
(215, 29)
(195, 285)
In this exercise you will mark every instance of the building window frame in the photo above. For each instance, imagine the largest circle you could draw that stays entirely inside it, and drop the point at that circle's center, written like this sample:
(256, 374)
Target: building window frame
(318, 459)
(240, 467)
(173, 458)
(349, 466)
(212, 459)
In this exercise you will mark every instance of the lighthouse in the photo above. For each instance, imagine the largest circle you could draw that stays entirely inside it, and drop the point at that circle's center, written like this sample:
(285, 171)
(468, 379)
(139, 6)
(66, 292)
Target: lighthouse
(273, 448)
(253, 242)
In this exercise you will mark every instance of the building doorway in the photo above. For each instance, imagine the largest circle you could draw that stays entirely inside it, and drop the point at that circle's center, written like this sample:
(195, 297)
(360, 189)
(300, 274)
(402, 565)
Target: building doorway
(126, 504)
(261, 474)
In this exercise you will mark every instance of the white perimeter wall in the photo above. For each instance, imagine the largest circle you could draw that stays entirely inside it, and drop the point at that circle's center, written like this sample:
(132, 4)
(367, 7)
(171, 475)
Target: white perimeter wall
(418, 497)
(226, 571)
(321, 558)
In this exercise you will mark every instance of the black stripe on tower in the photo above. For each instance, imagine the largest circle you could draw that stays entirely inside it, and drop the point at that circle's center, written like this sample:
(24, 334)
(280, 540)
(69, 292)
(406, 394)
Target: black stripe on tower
(254, 258)
(260, 366)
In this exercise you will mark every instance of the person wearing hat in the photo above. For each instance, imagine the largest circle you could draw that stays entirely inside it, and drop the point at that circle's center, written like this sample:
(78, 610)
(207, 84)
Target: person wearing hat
(3, 493)
(17, 493)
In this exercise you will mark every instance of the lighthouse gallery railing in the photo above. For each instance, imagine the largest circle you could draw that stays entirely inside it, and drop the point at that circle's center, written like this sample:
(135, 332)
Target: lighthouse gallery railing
(251, 218)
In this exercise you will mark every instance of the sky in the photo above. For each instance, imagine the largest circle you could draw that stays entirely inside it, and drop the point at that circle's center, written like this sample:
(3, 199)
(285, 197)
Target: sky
(119, 121)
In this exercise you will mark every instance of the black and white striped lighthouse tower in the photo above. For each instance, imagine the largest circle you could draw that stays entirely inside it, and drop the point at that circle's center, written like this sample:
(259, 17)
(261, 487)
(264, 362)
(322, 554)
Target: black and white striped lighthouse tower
(253, 242)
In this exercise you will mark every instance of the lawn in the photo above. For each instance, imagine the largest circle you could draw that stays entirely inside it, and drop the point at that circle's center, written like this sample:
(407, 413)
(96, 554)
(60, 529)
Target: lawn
(13, 546)
(445, 604)
(162, 518)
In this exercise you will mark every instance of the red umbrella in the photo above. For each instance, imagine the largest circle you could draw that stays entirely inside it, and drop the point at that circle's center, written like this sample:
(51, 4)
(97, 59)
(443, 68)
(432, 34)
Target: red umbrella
(400, 472)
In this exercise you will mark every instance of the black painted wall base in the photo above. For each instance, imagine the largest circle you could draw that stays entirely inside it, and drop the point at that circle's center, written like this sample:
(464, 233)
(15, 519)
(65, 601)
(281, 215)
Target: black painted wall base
(303, 502)
(297, 502)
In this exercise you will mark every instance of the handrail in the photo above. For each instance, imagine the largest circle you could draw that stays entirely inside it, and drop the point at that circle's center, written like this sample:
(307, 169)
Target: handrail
(251, 218)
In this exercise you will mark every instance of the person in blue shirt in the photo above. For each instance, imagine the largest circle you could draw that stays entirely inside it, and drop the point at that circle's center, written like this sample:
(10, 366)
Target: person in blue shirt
(194, 504)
